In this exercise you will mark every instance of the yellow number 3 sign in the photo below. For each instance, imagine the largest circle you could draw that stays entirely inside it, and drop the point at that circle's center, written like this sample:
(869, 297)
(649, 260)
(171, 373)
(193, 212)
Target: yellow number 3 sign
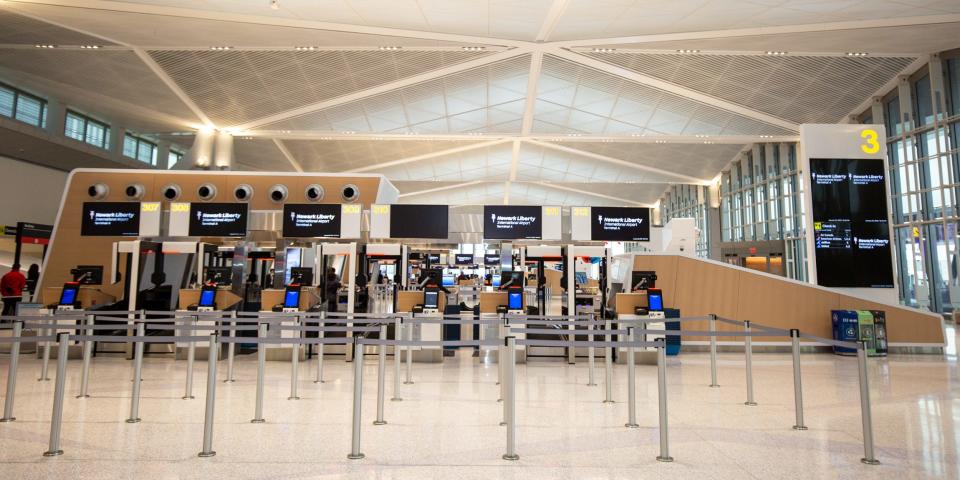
(871, 145)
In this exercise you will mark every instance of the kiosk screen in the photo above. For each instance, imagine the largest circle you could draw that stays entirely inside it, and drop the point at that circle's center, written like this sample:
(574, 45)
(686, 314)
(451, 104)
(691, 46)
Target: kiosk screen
(291, 297)
(448, 280)
(515, 299)
(69, 294)
(430, 299)
(655, 300)
(208, 296)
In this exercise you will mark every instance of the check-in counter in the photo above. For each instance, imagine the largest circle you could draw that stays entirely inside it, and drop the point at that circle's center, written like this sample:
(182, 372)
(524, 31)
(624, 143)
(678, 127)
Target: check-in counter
(433, 332)
(225, 299)
(626, 304)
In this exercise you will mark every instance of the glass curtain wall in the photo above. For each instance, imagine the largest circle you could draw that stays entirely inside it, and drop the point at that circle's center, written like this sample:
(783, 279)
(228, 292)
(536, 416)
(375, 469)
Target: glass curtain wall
(689, 201)
(922, 119)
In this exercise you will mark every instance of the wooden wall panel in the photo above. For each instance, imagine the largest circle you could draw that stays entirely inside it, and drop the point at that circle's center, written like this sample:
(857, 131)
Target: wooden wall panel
(704, 289)
(666, 268)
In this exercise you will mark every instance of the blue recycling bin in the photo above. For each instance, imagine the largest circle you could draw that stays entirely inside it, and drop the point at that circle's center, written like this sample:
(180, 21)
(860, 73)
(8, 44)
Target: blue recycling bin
(846, 328)
(673, 342)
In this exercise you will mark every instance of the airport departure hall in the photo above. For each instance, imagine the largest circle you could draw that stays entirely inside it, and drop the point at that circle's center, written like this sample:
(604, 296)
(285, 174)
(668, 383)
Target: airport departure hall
(479, 239)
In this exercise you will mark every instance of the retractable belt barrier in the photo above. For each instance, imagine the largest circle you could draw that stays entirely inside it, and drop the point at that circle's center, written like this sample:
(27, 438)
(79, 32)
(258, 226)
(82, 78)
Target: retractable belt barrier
(231, 322)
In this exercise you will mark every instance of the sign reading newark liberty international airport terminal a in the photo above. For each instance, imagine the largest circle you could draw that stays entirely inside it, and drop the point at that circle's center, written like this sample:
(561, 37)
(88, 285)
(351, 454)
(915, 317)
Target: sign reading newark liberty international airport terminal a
(120, 219)
(610, 224)
(847, 211)
(491, 259)
(508, 222)
(463, 259)
(409, 221)
(218, 220)
(308, 220)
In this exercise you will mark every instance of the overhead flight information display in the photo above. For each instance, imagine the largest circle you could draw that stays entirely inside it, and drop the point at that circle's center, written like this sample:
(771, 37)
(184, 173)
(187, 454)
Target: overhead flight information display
(850, 223)
(305, 220)
(419, 221)
(112, 219)
(218, 219)
(501, 222)
(620, 224)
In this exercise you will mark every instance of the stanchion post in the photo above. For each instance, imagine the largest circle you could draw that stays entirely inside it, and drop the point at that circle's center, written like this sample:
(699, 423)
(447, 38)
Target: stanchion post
(662, 394)
(632, 380)
(797, 385)
(231, 347)
(865, 411)
(591, 353)
(397, 338)
(211, 398)
(510, 402)
(45, 366)
(56, 418)
(501, 358)
(137, 376)
(748, 357)
(191, 357)
(295, 363)
(87, 354)
(261, 366)
(409, 379)
(381, 374)
(357, 400)
(608, 364)
(321, 334)
(12, 372)
(713, 351)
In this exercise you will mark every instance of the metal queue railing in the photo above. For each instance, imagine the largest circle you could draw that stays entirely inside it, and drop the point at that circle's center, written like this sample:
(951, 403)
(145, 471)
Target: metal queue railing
(356, 327)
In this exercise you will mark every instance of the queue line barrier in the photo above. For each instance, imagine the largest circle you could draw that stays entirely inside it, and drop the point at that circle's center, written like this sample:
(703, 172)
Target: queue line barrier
(507, 343)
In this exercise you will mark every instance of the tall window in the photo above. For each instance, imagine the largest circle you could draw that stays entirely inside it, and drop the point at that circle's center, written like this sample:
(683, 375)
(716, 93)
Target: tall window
(22, 106)
(85, 129)
(173, 158)
(140, 148)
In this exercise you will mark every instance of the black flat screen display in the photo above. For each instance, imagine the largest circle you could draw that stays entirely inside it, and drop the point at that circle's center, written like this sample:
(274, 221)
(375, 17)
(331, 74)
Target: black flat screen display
(110, 219)
(620, 224)
(218, 219)
(850, 223)
(463, 259)
(419, 221)
(491, 259)
(307, 220)
(512, 223)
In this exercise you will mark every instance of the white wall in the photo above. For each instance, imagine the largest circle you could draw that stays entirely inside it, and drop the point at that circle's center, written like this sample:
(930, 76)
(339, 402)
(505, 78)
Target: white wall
(29, 193)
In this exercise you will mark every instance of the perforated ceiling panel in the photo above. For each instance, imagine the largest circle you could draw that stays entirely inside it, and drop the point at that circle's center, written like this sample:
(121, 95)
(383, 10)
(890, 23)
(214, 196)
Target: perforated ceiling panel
(801, 89)
(116, 74)
(23, 30)
(487, 163)
(575, 98)
(548, 164)
(488, 99)
(696, 160)
(476, 194)
(237, 86)
(342, 155)
(259, 155)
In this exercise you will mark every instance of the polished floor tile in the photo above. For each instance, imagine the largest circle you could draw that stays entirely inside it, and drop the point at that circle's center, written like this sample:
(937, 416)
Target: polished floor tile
(446, 426)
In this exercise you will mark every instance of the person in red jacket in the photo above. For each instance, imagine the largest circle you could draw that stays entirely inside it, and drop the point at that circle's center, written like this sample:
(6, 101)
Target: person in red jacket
(11, 287)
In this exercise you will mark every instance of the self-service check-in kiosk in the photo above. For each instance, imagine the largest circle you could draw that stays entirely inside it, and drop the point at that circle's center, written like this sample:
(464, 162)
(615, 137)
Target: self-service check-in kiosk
(208, 299)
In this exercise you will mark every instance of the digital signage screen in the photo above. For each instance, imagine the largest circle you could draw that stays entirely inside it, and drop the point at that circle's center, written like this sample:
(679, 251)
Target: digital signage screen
(110, 219)
(218, 219)
(419, 221)
(620, 224)
(850, 223)
(491, 259)
(512, 223)
(305, 220)
(463, 259)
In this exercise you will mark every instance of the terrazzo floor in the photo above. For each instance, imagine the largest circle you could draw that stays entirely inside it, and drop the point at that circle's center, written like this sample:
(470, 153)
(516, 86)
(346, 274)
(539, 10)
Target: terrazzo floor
(446, 426)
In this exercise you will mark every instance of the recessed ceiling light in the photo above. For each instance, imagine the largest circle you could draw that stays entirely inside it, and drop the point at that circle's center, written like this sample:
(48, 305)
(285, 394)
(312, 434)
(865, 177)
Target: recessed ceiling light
(776, 52)
(390, 47)
(857, 54)
(45, 45)
(474, 49)
(604, 50)
(220, 48)
(304, 48)
(90, 47)
(275, 4)
(687, 50)
(660, 141)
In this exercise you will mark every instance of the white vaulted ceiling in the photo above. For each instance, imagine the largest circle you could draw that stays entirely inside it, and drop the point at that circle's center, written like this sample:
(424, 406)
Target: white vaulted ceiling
(568, 102)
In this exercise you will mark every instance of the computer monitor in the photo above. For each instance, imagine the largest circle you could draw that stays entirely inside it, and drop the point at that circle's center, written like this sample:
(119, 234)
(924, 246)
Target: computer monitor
(68, 297)
(430, 277)
(642, 281)
(291, 297)
(88, 274)
(495, 280)
(512, 279)
(515, 298)
(654, 299)
(448, 280)
(208, 296)
(580, 278)
(219, 276)
(302, 276)
(431, 299)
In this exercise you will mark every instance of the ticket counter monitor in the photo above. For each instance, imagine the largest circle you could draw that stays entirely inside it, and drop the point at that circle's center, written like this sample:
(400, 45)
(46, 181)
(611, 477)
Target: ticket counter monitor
(208, 299)
(291, 299)
(69, 296)
(515, 301)
(431, 301)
